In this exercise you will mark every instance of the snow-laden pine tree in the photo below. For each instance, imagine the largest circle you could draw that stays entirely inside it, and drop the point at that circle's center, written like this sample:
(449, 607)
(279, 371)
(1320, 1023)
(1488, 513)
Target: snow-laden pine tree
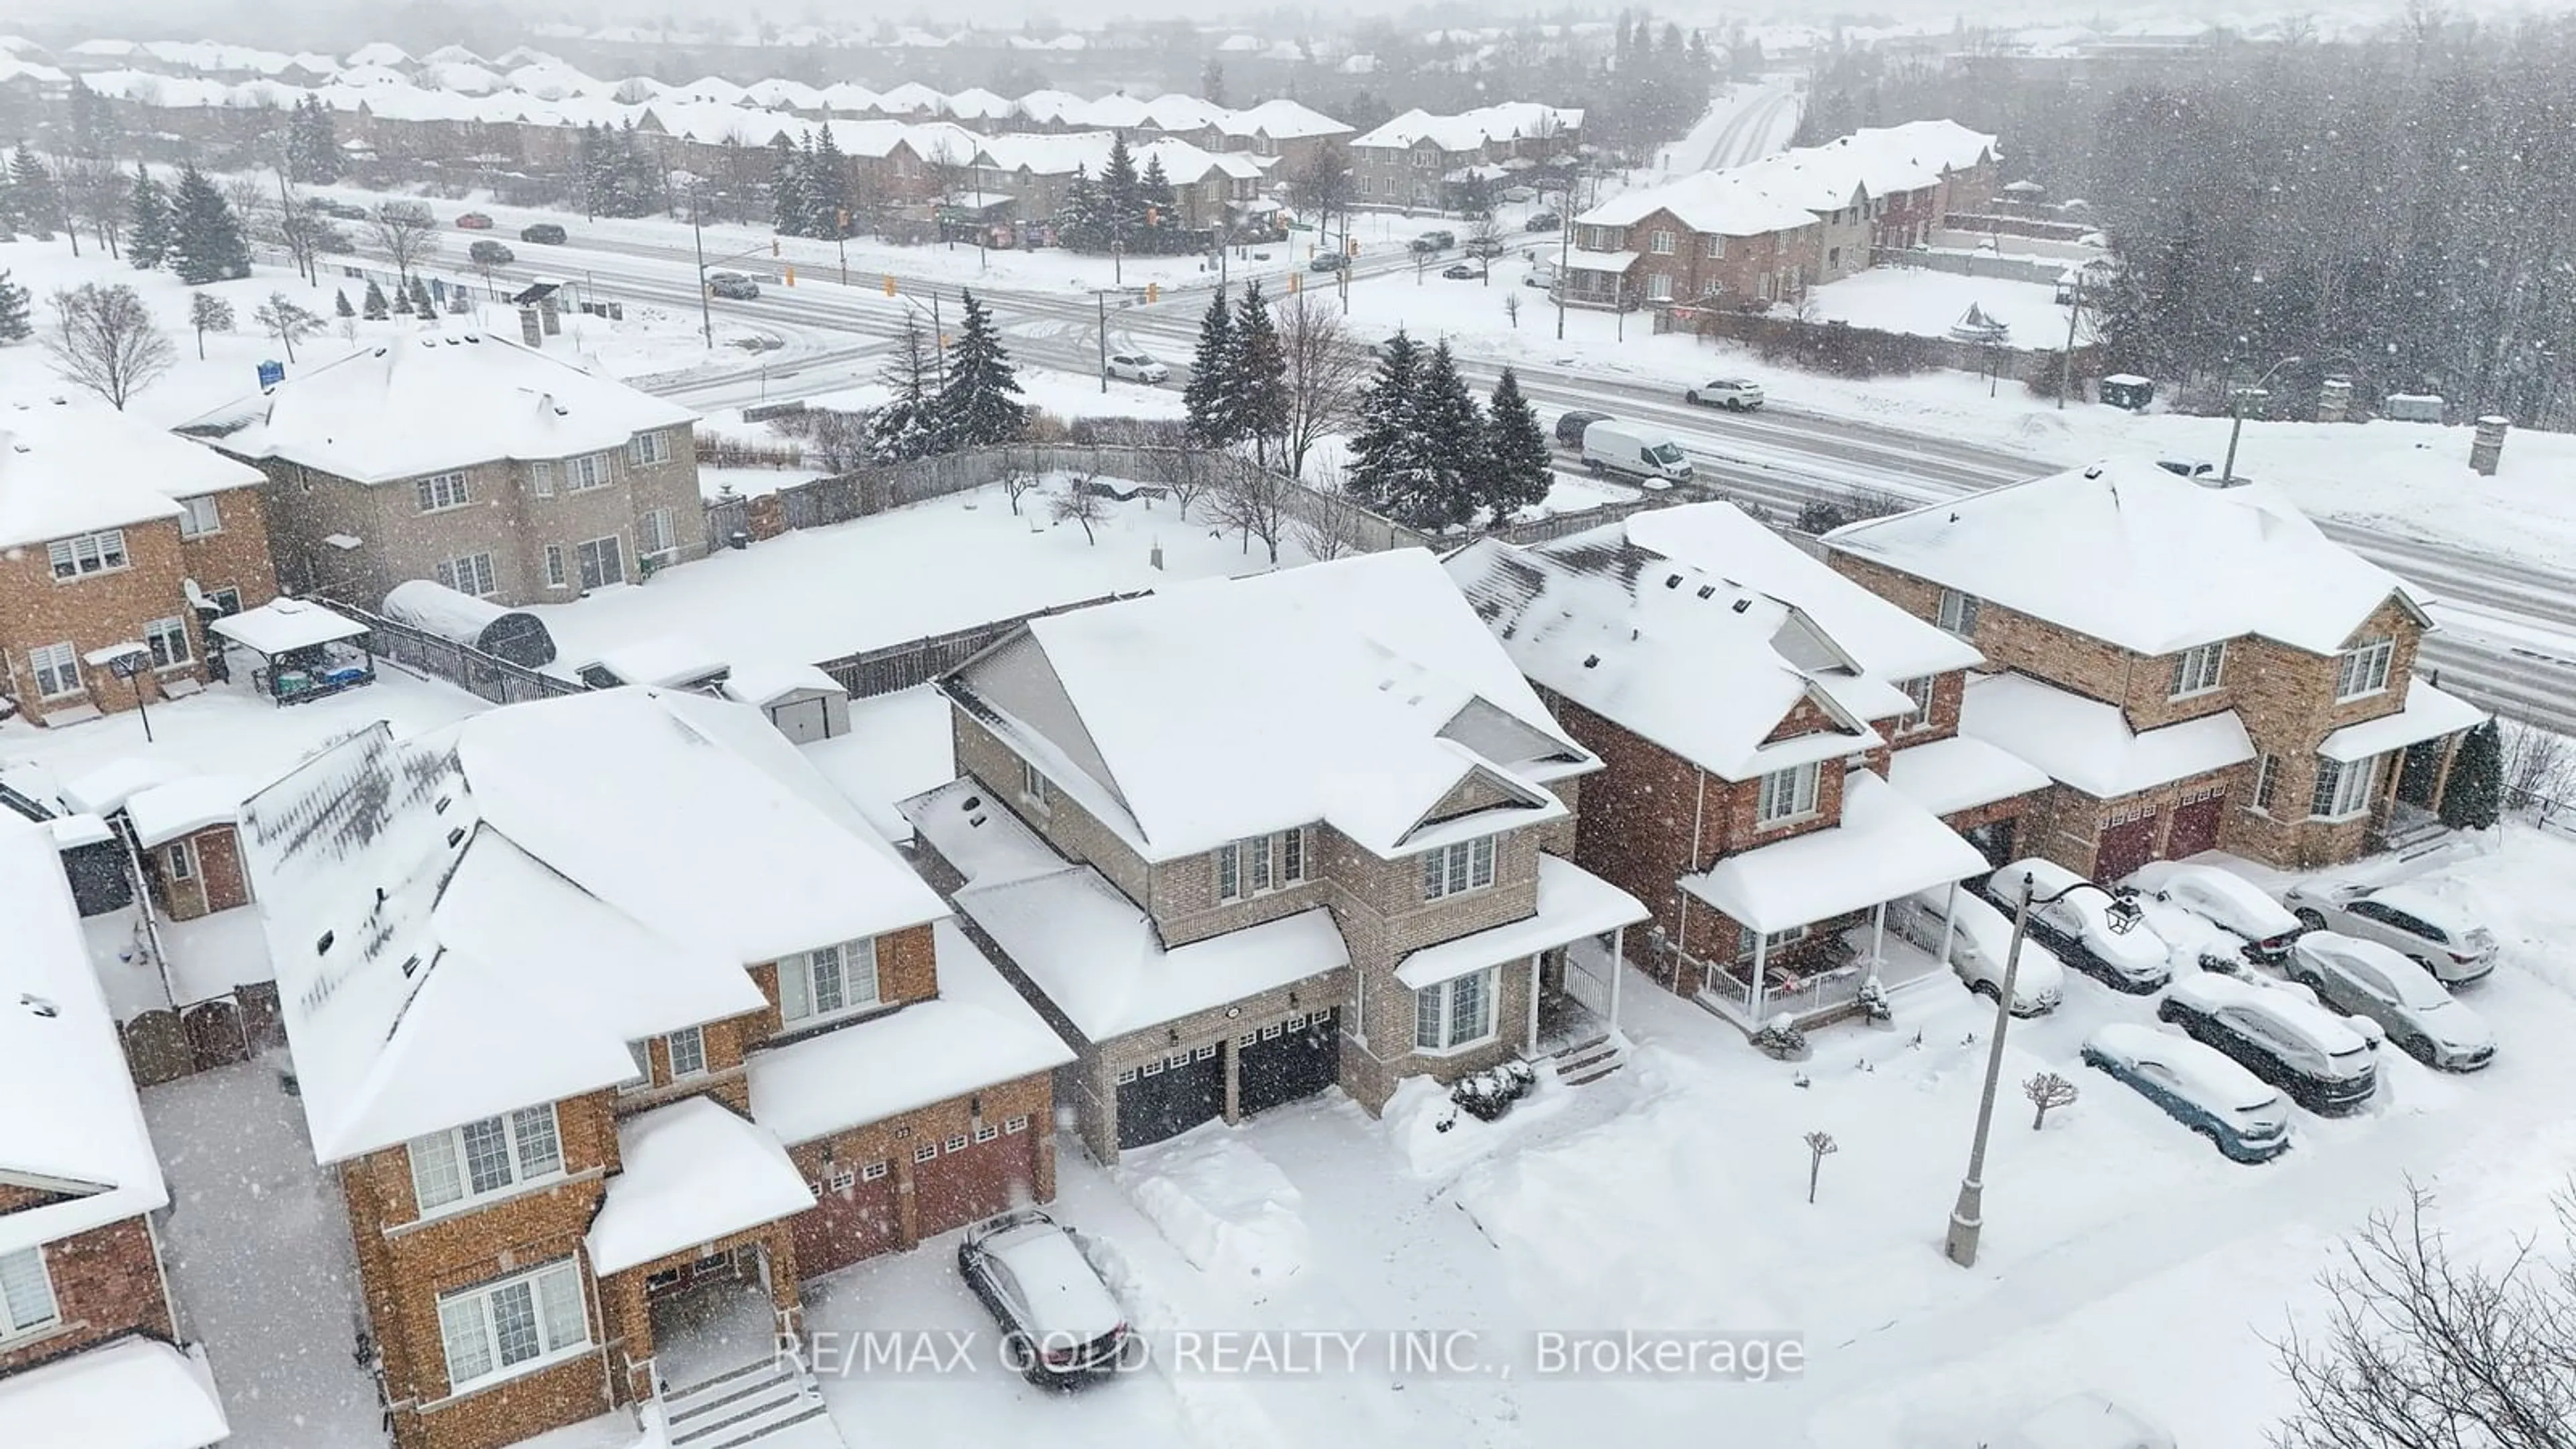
(827, 185)
(901, 430)
(206, 242)
(375, 303)
(147, 222)
(1381, 448)
(1517, 469)
(33, 196)
(790, 203)
(340, 304)
(1079, 224)
(2473, 799)
(1258, 373)
(14, 323)
(1447, 434)
(980, 404)
(1207, 403)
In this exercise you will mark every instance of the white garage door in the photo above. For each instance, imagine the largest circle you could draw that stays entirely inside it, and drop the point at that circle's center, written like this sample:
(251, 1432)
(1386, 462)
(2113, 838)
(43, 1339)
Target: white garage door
(802, 721)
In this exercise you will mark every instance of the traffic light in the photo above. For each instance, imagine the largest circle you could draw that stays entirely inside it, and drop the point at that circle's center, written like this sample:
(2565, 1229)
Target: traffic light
(1350, 248)
(773, 246)
(889, 284)
(1153, 291)
(844, 215)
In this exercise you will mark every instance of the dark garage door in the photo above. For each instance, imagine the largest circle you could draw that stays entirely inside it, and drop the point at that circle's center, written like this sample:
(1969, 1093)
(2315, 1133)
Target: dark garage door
(1287, 1060)
(2124, 847)
(853, 1217)
(977, 1173)
(1170, 1095)
(2195, 826)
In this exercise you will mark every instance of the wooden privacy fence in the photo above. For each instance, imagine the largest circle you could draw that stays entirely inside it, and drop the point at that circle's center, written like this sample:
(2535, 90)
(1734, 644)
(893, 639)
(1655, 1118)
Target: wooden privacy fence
(896, 667)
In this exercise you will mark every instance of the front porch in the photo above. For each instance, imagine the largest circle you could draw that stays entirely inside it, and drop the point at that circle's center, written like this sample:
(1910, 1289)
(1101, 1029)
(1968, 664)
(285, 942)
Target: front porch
(1571, 947)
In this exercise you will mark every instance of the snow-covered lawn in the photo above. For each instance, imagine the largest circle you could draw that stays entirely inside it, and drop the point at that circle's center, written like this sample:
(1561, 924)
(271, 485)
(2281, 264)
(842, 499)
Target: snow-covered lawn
(1925, 303)
(898, 746)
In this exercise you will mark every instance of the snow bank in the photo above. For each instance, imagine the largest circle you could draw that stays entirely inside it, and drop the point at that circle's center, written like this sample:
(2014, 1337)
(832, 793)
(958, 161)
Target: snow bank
(1228, 1209)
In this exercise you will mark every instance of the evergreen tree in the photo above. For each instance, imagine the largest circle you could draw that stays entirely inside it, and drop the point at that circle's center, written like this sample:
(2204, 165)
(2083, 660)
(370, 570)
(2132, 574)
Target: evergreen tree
(591, 165)
(1162, 209)
(420, 302)
(91, 126)
(312, 144)
(340, 304)
(1381, 446)
(1079, 223)
(206, 242)
(980, 404)
(33, 196)
(789, 201)
(1446, 435)
(638, 177)
(2474, 798)
(147, 222)
(1517, 468)
(1257, 372)
(828, 185)
(1122, 201)
(14, 325)
(1207, 403)
(375, 303)
(901, 430)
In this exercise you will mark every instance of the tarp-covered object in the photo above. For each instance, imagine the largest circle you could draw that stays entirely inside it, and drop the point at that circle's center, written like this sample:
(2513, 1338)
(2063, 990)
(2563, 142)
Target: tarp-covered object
(510, 634)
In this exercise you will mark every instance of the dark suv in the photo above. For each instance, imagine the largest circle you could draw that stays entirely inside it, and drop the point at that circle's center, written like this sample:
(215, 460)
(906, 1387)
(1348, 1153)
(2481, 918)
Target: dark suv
(1570, 426)
(544, 233)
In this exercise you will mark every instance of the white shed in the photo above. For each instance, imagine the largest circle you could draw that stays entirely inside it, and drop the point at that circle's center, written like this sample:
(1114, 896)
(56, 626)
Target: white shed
(800, 699)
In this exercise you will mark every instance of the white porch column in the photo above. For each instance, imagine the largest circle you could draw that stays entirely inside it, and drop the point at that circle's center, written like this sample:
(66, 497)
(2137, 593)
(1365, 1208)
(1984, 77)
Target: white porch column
(1761, 984)
(1877, 938)
(1618, 968)
(1531, 1041)
(1949, 923)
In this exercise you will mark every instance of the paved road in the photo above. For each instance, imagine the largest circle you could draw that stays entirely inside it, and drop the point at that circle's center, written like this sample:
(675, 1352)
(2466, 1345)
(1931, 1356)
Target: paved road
(1749, 124)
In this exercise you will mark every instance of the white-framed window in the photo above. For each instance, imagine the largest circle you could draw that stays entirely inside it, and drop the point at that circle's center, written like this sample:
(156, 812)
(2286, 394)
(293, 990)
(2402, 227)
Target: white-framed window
(602, 562)
(1772, 942)
(839, 1179)
(2343, 790)
(590, 470)
(1919, 691)
(926, 1152)
(2197, 670)
(57, 670)
(168, 641)
(1455, 869)
(875, 1171)
(688, 1048)
(1018, 1122)
(1660, 242)
(26, 1294)
(1659, 287)
(1716, 248)
(647, 449)
(472, 574)
(2267, 781)
(828, 981)
(1788, 794)
(2362, 669)
(541, 478)
(440, 492)
(955, 1144)
(198, 516)
(179, 860)
(1259, 864)
(986, 1131)
(653, 532)
(84, 554)
(1033, 788)
(1456, 1013)
(227, 600)
(554, 558)
(1957, 613)
(482, 1158)
(512, 1325)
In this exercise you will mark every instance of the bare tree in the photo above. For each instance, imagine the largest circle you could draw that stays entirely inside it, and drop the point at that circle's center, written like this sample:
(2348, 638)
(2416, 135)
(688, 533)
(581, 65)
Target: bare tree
(1326, 368)
(1255, 503)
(251, 201)
(2420, 1351)
(2539, 774)
(104, 339)
(94, 192)
(1079, 503)
(406, 233)
(841, 440)
(305, 234)
(1484, 243)
(1327, 526)
(1192, 475)
(1512, 308)
(1018, 481)
(286, 321)
(2047, 1092)
(208, 313)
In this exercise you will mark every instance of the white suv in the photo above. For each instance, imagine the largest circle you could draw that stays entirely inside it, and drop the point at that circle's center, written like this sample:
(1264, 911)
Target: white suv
(1739, 394)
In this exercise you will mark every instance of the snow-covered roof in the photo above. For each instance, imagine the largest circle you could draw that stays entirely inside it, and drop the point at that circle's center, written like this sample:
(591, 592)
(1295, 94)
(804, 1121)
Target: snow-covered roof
(1281, 119)
(690, 1173)
(769, 681)
(2136, 556)
(14, 69)
(1961, 773)
(70, 1125)
(1884, 847)
(1471, 130)
(1701, 666)
(976, 104)
(163, 813)
(382, 52)
(668, 660)
(910, 98)
(480, 918)
(1359, 693)
(1615, 263)
(281, 625)
(435, 401)
(1722, 203)
(135, 1392)
(2430, 713)
(2088, 744)
(68, 468)
(103, 790)
(1573, 904)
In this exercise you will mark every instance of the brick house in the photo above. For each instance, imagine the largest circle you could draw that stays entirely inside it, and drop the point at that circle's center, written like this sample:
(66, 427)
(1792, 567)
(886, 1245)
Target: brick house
(496, 470)
(1241, 841)
(113, 533)
(88, 1332)
(1418, 160)
(1291, 134)
(1780, 750)
(2196, 667)
(615, 1021)
(187, 834)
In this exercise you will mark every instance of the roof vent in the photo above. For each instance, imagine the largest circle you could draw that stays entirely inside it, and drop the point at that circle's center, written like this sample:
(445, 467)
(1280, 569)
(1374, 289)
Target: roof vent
(1743, 604)
(410, 964)
(1591, 661)
(38, 1006)
(2093, 472)
(322, 947)
(1705, 590)
(443, 802)
(455, 836)
(971, 802)
(1673, 582)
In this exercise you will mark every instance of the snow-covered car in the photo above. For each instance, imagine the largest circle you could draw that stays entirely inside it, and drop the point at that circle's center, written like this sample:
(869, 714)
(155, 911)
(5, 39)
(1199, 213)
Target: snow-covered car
(2369, 980)
(2416, 925)
(1980, 939)
(1735, 393)
(1542, 221)
(2090, 929)
(1138, 367)
(490, 254)
(1459, 272)
(1329, 262)
(1570, 426)
(2187, 467)
(2282, 1036)
(1060, 1323)
(2227, 900)
(1484, 246)
(2087, 1421)
(733, 286)
(2197, 1086)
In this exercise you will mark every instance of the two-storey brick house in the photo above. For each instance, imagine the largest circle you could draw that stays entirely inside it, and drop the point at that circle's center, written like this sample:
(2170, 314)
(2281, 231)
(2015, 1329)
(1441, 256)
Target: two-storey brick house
(1418, 161)
(88, 1333)
(113, 533)
(2196, 666)
(606, 1002)
(1780, 753)
(1244, 840)
(495, 469)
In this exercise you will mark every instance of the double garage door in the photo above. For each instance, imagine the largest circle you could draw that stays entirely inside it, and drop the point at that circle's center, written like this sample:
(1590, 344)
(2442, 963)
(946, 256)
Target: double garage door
(1278, 1063)
(2127, 844)
(956, 1180)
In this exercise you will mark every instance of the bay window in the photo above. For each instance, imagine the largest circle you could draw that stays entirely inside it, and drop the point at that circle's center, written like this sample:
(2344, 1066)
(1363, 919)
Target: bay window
(828, 981)
(1456, 1013)
(481, 1159)
(512, 1324)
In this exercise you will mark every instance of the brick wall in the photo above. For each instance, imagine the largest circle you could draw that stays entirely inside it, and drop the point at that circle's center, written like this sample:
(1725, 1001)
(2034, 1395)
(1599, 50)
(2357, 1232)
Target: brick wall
(90, 612)
(107, 1282)
(236, 555)
(215, 880)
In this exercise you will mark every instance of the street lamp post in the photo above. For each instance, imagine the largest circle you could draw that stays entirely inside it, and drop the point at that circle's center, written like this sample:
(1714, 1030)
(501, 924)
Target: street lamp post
(2236, 411)
(698, 235)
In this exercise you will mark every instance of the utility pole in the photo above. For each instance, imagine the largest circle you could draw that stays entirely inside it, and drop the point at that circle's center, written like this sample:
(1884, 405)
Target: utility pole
(698, 233)
(1564, 255)
(1103, 299)
(938, 340)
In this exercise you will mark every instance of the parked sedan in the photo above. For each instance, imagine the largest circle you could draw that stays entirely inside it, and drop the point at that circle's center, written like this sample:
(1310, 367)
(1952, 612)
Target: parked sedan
(1980, 941)
(2227, 900)
(475, 221)
(1543, 221)
(1138, 367)
(2279, 1034)
(2090, 929)
(1060, 1324)
(2369, 980)
(2197, 1086)
(2456, 951)
(1460, 272)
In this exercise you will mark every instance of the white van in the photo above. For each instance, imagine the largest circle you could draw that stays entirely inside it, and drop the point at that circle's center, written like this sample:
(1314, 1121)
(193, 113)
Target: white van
(1612, 446)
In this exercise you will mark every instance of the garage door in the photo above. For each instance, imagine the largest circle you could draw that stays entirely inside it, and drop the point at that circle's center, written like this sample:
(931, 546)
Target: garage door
(973, 1174)
(853, 1218)
(2124, 847)
(1170, 1095)
(1994, 841)
(803, 720)
(1287, 1060)
(2195, 826)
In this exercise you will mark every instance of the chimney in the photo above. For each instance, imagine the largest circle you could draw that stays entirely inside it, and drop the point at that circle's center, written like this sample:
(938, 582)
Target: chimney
(2487, 446)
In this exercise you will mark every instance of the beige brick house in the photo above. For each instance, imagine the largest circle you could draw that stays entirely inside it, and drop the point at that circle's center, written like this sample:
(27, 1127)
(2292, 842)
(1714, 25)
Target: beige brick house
(618, 1023)
(113, 533)
(1417, 161)
(1244, 840)
(2196, 666)
(499, 471)
(1780, 749)
(87, 1327)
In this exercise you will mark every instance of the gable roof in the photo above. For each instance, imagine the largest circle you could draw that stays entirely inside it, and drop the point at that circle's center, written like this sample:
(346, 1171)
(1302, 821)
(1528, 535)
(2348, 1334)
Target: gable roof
(2133, 555)
(68, 468)
(402, 409)
(1469, 130)
(1721, 203)
(1361, 693)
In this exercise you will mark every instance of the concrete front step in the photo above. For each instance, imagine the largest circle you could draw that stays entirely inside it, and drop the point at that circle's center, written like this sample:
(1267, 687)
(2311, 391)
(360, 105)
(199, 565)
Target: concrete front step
(1591, 1061)
(770, 1404)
